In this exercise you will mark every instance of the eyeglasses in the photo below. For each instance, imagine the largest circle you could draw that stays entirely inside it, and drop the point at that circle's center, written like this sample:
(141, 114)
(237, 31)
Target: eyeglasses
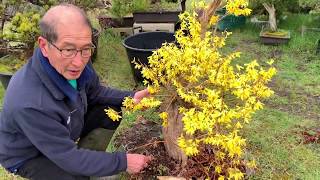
(71, 53)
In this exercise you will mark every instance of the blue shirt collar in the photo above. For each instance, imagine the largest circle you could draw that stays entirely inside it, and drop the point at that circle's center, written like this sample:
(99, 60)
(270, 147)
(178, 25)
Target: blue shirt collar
(60, 81)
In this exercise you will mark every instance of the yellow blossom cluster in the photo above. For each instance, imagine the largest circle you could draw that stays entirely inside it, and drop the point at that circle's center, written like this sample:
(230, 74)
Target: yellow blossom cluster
(218, 96)
(114, 115)
(145, 103)
(238, 7)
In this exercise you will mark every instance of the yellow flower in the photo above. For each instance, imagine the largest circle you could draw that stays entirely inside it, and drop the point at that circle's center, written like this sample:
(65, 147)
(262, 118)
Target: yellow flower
(213, 20)
(252, 164)
(112, 114)
(271, 61)
(128, 103)
(218, 169)
(164, 117)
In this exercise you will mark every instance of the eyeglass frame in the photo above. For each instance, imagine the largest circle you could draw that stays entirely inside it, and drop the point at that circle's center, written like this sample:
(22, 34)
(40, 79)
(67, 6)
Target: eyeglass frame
(75, 51)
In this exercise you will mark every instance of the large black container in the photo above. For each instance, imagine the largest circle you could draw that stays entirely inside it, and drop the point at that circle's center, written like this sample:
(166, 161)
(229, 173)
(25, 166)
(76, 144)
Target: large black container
(140, 47)
(4, 79)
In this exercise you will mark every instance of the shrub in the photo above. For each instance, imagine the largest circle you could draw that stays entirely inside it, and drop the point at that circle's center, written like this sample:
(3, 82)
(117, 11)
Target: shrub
(205, 99)
(314, 5)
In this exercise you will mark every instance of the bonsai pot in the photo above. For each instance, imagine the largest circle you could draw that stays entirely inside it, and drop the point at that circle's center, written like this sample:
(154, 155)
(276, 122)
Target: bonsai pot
(140, 46)
(108, 22)
(156, 17)
(5, 78)
(274, 38)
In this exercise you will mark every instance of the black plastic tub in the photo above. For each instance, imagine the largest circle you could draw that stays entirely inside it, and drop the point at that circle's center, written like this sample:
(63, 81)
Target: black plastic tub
(4, 79)
(140, 47)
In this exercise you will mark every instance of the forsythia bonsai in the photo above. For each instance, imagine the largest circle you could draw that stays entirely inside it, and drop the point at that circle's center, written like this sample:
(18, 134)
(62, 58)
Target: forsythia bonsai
(205, 98)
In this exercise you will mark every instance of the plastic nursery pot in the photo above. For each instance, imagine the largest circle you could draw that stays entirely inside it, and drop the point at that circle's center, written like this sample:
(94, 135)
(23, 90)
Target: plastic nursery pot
(140, 46)
(5, 78)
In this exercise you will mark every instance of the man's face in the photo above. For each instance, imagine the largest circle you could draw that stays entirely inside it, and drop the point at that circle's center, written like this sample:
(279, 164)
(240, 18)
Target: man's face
(78, 37)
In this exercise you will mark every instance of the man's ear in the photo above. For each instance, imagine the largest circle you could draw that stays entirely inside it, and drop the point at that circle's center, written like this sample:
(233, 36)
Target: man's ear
(43, 45)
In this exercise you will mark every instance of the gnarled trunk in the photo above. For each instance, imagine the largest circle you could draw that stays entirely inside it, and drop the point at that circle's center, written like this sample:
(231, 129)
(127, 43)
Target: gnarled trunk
(272, 16)
(204, 15)
(172, 131)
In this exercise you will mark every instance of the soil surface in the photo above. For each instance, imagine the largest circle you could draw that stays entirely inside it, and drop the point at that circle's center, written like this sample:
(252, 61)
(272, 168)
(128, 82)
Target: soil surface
(144, 137)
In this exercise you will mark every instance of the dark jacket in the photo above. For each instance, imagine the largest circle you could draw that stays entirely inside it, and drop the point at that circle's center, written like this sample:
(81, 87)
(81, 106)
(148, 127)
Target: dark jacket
(43, 114)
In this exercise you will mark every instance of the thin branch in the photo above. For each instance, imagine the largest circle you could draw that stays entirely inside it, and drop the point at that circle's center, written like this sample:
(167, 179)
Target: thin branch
(145, 145)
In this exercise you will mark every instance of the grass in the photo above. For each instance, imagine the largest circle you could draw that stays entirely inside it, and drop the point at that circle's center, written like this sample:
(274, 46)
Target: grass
(112, 64)
(274, 136)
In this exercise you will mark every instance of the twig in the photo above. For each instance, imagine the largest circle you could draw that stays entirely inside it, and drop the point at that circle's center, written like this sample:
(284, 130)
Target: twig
(145, 145)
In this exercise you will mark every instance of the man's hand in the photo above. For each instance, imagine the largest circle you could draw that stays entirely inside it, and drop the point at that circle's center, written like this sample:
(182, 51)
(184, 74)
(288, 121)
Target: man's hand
(136, 162)
(139, 95)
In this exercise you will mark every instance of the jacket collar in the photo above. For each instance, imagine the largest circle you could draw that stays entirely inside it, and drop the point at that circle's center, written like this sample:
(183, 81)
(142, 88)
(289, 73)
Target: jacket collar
(55, 82)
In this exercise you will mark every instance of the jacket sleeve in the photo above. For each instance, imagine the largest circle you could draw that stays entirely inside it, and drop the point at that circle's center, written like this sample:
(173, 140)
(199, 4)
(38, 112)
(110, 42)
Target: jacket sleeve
(52, 139)
(98, 93)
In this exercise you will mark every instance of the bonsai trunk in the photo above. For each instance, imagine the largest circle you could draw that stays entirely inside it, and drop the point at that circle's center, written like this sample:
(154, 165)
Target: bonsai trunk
(272, 16)
(172, 132)
(204, 15)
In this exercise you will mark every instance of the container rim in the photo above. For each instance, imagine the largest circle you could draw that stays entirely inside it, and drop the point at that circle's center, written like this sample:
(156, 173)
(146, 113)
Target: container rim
(144, 50)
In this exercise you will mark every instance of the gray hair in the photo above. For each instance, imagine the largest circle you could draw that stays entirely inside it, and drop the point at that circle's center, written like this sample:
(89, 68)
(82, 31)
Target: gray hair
(48, 28)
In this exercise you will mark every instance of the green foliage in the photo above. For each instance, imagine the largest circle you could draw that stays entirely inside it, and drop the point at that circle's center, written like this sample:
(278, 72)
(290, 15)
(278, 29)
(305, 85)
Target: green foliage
(23, 27)
(46, 4)
(86, 4)
(121, 8)
(2, 9)
(313, 4)
(140, 5)
(12, 2)
(280, 5)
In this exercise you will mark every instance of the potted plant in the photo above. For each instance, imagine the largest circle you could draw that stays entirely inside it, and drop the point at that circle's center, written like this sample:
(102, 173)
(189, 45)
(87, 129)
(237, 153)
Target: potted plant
(159, 11)
(119, 15)
(271, 34)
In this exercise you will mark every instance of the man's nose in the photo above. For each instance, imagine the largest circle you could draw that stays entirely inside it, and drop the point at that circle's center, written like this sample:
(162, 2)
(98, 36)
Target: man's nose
(78, 59)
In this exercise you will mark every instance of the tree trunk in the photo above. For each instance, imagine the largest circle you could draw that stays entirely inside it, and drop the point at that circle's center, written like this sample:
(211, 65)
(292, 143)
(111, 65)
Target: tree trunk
(172, 132)
(272, 16)
(204, 15)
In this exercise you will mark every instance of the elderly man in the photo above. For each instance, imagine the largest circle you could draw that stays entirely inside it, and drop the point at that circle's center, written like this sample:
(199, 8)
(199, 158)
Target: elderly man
(54, 100)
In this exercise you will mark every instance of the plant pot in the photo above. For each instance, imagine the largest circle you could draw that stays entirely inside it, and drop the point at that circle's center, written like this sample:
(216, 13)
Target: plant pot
(108, 22)
(156, 17)
(140, 46)
(230, 21)
(270, 39)
(5, 78)
(95, 41)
